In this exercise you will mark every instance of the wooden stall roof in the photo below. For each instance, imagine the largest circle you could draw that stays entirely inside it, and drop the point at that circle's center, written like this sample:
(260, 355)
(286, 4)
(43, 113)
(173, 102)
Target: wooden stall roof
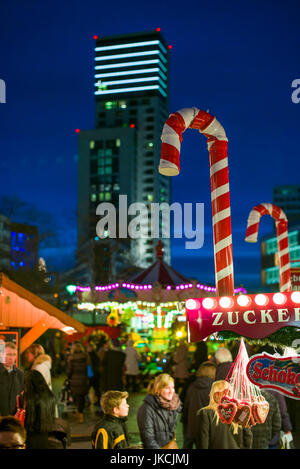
(19, 308)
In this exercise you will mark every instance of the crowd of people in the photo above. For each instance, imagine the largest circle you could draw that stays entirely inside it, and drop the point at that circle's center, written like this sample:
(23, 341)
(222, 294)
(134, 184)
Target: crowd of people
(29, 415)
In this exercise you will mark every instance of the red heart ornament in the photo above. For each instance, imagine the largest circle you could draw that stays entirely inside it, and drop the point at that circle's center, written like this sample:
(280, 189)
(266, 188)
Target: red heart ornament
(227, 412)
(260, 411)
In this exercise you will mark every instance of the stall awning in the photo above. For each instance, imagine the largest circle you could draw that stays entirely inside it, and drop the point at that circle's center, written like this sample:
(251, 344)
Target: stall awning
(19, 308)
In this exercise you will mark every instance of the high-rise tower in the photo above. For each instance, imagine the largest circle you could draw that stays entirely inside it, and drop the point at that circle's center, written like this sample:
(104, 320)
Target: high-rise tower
(121, 155)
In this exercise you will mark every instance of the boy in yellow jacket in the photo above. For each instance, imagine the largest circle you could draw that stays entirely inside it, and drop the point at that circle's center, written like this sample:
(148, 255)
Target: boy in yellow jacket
(111, 431)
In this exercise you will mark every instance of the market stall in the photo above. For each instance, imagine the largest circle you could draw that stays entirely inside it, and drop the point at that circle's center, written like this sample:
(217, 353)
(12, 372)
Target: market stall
(32, 316)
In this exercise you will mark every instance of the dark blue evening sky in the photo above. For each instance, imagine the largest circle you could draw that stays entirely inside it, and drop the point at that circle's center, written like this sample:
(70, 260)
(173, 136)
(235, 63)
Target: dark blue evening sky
(236, 58)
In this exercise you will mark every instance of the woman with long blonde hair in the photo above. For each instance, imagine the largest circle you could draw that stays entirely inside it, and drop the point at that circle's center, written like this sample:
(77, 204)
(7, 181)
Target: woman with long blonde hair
(213, 434)
(158, 415)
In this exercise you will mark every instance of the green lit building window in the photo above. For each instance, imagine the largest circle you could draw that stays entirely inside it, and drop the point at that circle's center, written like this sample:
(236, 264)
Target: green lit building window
(108, 152)
(101, 196)
(271, 244)
(92, 144)
(111, 104)
(107, 196)
(93, 197)
(293, 238)
(272, 275)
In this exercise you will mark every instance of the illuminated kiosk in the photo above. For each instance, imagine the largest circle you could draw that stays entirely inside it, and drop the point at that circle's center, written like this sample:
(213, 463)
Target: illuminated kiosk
(148, 303)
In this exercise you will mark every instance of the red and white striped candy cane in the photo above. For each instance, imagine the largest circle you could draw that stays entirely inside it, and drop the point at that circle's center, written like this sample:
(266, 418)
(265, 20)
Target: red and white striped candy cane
(282, 238)
(217, 143)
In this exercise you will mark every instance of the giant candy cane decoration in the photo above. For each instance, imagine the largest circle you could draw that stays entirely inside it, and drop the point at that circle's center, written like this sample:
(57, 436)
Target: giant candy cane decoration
(217, 143)
(282, 238)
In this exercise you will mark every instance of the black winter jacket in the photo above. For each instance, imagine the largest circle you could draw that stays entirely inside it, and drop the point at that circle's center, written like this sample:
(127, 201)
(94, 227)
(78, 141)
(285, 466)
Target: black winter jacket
(11, 384)
(77, 374)
(197, 396)
(110, 433)
(265, 432)
(156, 424)
(222, 370)
(213, 435)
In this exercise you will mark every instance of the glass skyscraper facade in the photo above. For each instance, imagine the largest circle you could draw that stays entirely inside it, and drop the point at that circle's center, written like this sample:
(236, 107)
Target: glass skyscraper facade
(121, 155)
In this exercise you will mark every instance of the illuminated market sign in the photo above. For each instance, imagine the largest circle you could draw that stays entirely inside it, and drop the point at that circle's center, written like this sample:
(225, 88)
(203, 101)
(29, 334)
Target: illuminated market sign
(253, 316)
(279, 373)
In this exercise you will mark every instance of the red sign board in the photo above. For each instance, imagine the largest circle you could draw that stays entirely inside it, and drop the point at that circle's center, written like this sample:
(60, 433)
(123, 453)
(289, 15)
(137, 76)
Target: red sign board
(254, 316)
(295, 277)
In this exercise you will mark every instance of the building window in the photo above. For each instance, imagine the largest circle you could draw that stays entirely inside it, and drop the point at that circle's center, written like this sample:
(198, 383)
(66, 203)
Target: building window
(110, 105)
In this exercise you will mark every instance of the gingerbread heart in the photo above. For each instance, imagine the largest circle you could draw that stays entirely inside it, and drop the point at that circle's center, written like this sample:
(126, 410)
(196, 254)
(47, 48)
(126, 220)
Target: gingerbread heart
(227, 399)
(227, 412)
(260, 411)
(242, 415)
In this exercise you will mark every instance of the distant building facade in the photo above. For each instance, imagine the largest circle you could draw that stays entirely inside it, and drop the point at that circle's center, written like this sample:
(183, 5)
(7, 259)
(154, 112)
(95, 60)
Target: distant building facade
(121, 155)
(287, 197)
(24, 246)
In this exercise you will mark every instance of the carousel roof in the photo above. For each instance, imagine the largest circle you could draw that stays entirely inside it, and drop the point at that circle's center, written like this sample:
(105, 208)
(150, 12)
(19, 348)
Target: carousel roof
(160, 272)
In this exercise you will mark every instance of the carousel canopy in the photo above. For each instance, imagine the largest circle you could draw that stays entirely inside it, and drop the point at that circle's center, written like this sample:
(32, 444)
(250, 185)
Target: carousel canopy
(160, 272)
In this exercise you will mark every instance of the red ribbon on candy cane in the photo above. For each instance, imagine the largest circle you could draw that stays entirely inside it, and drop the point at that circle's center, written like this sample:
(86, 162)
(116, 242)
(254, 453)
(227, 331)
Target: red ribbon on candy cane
(217, 143)
(282, 238)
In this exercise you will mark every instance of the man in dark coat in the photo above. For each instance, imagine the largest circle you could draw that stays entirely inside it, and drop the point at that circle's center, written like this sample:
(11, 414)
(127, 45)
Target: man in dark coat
(11, 381)
(223, 359)
(77, 375)
(286, 424)
(197, 396)
(263, 433)
(113, 369)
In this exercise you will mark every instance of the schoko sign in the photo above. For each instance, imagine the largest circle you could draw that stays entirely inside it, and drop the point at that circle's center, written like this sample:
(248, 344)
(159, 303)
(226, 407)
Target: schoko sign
(279, 373)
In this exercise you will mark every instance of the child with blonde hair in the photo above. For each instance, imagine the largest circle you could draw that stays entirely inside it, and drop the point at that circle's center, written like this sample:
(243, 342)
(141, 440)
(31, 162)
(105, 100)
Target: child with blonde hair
(213, 434)
(111, 431)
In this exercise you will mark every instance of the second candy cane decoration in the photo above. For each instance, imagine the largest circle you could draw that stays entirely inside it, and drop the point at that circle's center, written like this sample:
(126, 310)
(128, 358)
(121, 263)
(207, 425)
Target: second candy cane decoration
(282, 238)
(217, 143)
